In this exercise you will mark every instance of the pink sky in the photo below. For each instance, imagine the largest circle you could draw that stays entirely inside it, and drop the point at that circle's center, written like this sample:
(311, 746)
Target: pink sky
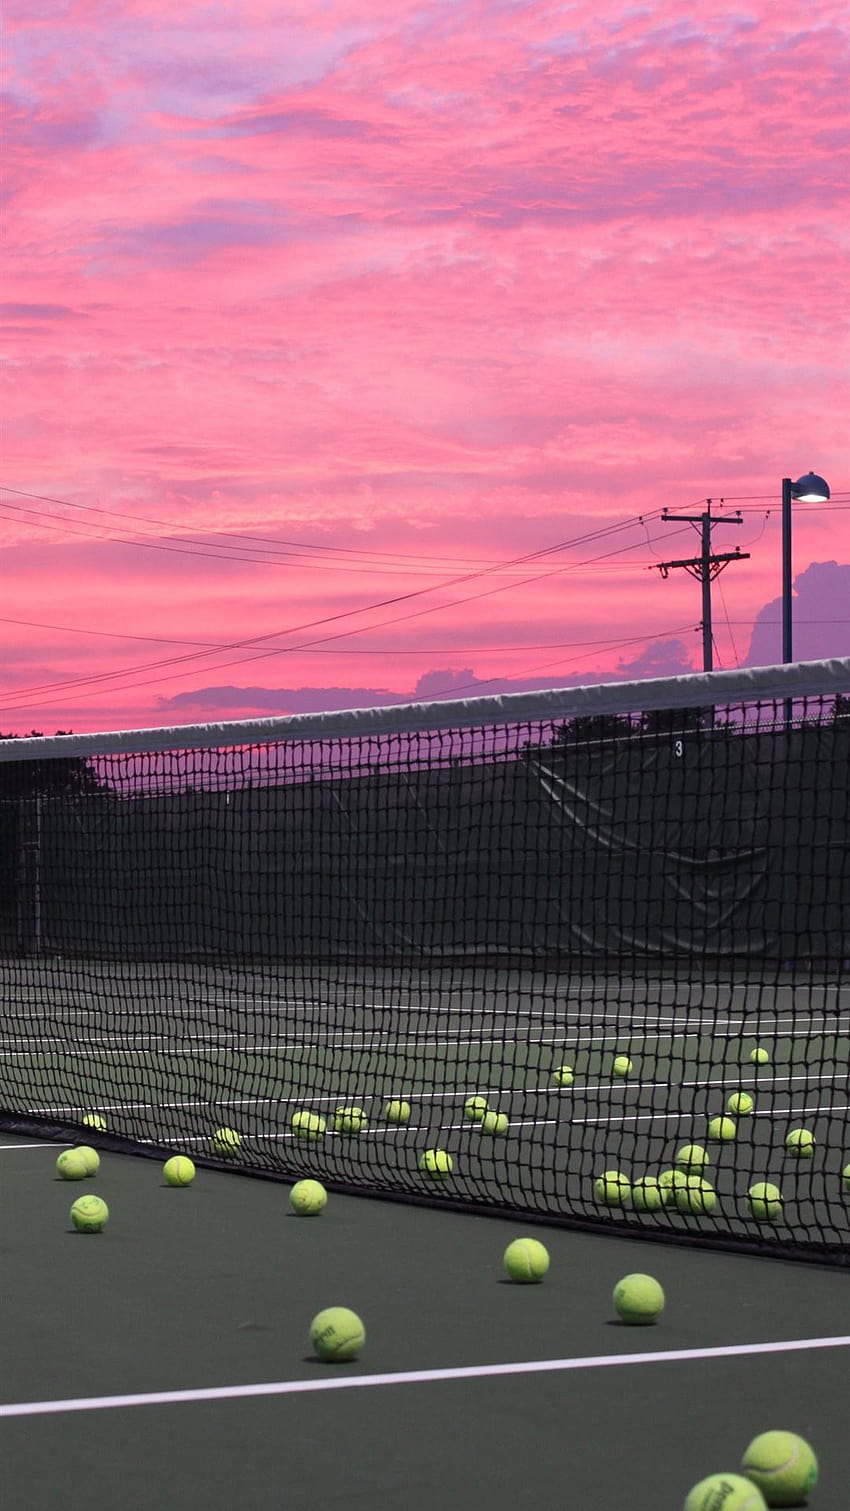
(395, 295)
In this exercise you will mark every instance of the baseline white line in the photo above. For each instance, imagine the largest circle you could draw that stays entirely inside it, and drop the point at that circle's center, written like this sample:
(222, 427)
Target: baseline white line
(410, 1377)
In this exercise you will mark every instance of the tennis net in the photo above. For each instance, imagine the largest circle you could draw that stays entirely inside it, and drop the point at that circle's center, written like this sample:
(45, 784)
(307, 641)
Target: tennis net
(563, 929)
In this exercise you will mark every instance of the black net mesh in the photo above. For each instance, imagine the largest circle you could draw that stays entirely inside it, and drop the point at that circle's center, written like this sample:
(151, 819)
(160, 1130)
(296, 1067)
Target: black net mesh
(563, 934)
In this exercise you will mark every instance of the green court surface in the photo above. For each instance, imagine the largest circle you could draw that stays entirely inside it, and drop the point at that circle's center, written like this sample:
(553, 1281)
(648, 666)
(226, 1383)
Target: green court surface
(213, 1288)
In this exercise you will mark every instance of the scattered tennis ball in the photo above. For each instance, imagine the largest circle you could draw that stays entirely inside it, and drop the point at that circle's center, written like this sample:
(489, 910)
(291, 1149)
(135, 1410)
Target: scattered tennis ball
(695, 1196)
(740, 1104)
(179, 1170)
(765, 1201)
(692, 1157)
(397, 1112)
(845, 1178)
(638, 1300)
(226, 1141)
(475, 1108)
(725, 1492)
(648, 1195)
(759, 1056)
(349, 1120)
(337, 1334)
(95, 1120)
(526, 1261)
(622, 1066)
(495, 1122)
(436, 1163)
(91, 1157)
(564, 1075)
(308, 1124)
(89, 1214)
(612, 1188)
(801, 1143)
(722, 1130)
(71, 1165)
(308, 1197)
(783, 1466)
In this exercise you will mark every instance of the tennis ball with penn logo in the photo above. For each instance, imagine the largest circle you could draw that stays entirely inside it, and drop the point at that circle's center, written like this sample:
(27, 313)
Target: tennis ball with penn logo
(337, 1334)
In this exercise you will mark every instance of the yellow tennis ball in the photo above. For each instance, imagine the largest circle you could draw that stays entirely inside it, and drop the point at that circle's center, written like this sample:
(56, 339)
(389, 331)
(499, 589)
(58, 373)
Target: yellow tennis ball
(638, 1300)
(845, 1178)
(725, 1492)
(801, 1143)
(740, 1104)
(397, 1112)
(622, 1066)
(308, 1125)
(765, 1201)
(349, 1120)
(695, 1196)
(722, 1130)
(783, 1466)
(612, 1188)
(308, 1197)
(692, 1157)
(226, 1142)
(564, 1075)
(95, 1120)
(475, 1108)
(648, 1195)
(526, 1261)
(89, 1214)
(91, 1157)
(495, 1122)
(759, 1056)
(337, 1334)
(436, 1163)
(178, 1170)
(71, 1165)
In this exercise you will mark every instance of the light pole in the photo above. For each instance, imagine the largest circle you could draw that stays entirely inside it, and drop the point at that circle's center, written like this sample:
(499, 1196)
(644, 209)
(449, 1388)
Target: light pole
(810, 489)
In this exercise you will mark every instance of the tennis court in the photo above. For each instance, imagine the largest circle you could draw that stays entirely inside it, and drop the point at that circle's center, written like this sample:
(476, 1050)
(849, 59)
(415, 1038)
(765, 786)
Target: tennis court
(606, 915)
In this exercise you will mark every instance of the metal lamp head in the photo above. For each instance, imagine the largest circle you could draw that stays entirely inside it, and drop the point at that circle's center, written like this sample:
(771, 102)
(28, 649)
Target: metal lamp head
(810, 489)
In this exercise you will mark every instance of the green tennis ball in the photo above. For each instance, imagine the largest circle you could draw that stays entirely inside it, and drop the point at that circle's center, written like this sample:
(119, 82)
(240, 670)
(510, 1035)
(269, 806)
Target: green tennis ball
(178, 1170)
(436, 1163)
(495, 1122)
(671, 1180)
(801, 1143)
(308, 1125)
(622, 1066)
(638, 1300)
(349, 1120)
(692, 1157)
(564, 1075)
(337, 1334)
(308, 1197)
(648, 1195)
(695, 1196)
(765, 1201)
(759, 1056)
(96, 1121)
(722, 1130)
(612, 1188)
(845, 1177)
(89, 1214)
(226, 1142)
(740, 1104)
(475, 1108)
(783, 1466)
(526, 1261)
(725, 1492)
(71, 1165)
(91, 1157)
(397, 1112)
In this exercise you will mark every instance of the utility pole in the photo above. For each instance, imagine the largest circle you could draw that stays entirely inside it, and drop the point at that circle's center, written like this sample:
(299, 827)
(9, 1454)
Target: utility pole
(706, 566)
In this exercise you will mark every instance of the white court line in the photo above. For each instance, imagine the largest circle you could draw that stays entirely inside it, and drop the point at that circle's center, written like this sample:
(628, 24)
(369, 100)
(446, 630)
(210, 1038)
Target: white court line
(410, 1377)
